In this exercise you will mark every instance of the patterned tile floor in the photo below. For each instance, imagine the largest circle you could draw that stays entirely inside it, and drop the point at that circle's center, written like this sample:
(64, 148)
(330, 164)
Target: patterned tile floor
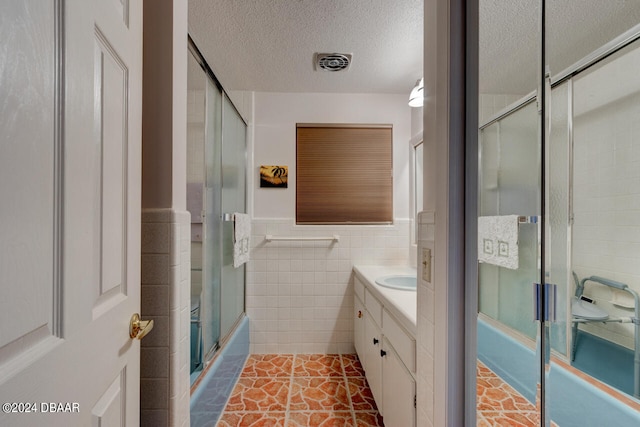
(500, 405)
(323, 390)
(330, 390)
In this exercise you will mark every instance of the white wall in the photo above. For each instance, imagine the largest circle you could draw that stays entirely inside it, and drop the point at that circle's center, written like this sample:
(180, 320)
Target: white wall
(276, 115)
(300, 294)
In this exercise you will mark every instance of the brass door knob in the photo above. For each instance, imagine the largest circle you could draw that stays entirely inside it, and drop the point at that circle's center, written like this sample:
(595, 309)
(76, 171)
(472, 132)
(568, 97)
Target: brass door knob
(139, 328)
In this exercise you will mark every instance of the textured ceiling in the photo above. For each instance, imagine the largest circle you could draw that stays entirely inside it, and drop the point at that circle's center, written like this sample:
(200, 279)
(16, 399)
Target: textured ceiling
(268, 45)
(509, 37)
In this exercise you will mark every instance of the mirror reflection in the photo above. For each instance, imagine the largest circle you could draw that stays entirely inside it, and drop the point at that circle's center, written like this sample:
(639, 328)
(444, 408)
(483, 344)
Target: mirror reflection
(591, 190)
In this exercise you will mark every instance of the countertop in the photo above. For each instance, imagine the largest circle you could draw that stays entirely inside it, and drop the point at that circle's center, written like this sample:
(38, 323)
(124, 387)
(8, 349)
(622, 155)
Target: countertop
(401, 304)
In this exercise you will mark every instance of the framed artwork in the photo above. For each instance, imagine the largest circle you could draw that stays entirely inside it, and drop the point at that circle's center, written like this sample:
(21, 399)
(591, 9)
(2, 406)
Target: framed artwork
(274, 176)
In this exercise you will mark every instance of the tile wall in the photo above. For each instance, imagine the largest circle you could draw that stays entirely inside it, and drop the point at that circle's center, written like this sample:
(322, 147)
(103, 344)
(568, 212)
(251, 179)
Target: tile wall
(606, 200)
(299, 295)
(164, 358)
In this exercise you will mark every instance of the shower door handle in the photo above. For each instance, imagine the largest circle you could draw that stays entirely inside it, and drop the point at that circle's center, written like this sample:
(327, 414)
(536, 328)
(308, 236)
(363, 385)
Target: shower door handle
(544, 302)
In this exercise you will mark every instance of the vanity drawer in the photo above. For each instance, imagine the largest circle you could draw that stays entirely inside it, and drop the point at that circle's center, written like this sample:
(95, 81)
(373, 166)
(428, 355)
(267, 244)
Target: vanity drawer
(374, 307)
(402, 342)
(358, 288)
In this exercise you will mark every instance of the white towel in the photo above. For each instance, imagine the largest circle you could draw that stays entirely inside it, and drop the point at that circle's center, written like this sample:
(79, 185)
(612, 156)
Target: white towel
(241, 236)
(498, 240)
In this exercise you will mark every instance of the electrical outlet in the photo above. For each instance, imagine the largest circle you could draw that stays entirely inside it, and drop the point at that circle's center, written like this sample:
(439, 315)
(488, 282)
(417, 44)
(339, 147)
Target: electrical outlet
(426, 264)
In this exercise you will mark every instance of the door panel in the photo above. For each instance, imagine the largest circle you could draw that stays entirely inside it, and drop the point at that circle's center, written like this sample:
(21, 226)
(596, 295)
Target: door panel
(372, 362)
(109, 409)
(111, 75)
(28, 189)
(70, 167)
(398, 392)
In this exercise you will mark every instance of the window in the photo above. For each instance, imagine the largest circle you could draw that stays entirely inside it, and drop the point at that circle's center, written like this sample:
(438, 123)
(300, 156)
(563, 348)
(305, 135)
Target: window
(344, 174)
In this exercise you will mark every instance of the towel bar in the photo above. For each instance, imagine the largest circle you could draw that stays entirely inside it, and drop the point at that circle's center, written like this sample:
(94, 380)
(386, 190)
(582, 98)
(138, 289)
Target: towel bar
(271, 238)
(522, 219)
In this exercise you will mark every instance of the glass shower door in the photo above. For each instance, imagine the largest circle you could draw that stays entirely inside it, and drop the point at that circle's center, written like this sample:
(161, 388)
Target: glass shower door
(564, 161)
(204, 134)
(212, 226)
(594, 106)
(510, 209)
(233, 201)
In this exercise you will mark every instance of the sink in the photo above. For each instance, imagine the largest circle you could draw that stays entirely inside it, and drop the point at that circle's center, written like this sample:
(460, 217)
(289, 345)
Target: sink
(398, 281)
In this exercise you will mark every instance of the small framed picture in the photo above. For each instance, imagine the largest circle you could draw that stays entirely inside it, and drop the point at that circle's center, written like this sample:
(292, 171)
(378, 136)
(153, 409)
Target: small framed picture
(274, 176)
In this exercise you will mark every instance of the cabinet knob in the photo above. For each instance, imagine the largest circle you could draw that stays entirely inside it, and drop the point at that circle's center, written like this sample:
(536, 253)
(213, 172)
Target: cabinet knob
(359, 314)
(383, 353)
(375, 341)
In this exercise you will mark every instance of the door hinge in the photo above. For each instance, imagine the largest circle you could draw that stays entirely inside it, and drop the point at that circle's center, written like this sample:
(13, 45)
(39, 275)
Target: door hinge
(544, 302)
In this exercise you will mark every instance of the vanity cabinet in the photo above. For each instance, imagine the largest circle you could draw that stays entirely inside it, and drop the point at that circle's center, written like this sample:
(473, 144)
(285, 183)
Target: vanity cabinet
(399, 388)
(372, 358)
(358, 325)
(388, 356)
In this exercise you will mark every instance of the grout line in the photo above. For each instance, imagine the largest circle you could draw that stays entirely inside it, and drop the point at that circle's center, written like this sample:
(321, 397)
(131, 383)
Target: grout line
(346, 382)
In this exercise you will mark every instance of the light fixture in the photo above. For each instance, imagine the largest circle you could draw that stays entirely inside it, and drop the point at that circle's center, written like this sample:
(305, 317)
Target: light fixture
(416, 98)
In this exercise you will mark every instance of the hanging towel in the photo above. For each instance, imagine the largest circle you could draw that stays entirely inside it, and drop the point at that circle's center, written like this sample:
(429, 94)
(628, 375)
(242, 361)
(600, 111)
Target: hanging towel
(241, 235)
(498, 240)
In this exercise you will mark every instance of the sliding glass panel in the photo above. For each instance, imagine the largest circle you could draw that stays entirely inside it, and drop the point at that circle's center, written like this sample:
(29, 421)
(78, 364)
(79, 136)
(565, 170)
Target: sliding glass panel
(558, 208)
(212, 224)
(592, 226)
(508, 250)
(509, 212)
(509, 169)
(234, 149)
(196, 113)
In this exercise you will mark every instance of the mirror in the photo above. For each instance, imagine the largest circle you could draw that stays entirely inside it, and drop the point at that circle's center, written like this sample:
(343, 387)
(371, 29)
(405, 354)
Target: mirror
(417, 181)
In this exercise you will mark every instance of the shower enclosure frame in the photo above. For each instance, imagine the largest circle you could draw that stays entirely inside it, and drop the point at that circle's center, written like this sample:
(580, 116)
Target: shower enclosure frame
(209, 354)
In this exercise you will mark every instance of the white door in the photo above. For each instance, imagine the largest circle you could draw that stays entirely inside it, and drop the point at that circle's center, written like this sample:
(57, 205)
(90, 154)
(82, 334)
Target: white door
(70, 153)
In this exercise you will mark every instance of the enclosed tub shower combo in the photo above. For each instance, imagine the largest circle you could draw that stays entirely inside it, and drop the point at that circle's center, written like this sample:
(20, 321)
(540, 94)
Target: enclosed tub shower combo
(562, 210)
(216, 199)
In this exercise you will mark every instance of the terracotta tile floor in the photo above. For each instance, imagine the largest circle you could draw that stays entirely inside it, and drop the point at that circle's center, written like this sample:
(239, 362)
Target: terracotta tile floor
(304, 390)
(499, 404)
(330, 390)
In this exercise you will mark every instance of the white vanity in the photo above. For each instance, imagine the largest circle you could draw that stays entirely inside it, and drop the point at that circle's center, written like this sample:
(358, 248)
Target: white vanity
(384, 335)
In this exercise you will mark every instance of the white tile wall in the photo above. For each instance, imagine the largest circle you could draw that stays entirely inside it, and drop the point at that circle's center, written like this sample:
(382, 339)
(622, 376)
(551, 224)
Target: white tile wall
(299, 295)
(164, 358)
(606, 190)
(425, 325)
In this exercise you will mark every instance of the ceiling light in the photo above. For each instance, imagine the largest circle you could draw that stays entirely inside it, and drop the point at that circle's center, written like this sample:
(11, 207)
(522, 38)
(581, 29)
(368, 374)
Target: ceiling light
(416, 98)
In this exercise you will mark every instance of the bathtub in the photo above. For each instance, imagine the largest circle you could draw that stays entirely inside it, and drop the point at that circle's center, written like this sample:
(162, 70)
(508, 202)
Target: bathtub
(571, 400)
(210, 393)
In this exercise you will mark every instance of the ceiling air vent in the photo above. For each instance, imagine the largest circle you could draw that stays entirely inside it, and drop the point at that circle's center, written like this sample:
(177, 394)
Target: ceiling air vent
(332, 61)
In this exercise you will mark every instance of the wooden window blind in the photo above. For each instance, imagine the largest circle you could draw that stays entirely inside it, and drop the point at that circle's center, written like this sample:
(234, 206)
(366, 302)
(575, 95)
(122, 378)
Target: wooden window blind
(344, 174)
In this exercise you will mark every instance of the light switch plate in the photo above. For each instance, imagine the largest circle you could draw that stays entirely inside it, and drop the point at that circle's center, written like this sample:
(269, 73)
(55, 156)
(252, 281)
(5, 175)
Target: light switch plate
(426, 264)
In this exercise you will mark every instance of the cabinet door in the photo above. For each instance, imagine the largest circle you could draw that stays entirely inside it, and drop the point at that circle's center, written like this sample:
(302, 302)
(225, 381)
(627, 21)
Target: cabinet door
(398, 394)
(373, 360)
(358, 327)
